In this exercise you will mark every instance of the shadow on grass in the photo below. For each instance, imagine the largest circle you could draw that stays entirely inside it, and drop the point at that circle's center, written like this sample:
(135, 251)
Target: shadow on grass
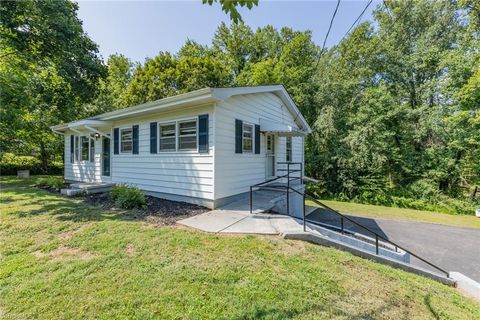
(65, 209)
(330, 308)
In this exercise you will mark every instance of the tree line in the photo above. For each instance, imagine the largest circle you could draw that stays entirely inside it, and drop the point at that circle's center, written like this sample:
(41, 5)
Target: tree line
(394, 106)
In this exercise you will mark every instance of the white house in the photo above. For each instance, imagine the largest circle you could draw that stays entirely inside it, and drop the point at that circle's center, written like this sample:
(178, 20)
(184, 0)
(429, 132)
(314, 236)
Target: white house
(203, 147)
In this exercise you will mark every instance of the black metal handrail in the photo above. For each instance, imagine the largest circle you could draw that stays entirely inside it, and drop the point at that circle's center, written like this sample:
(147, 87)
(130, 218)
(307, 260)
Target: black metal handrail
(342, 216)
(289, 179)
(377, 236)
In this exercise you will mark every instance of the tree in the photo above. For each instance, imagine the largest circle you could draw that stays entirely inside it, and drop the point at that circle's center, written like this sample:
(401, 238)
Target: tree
(112, 90)
(230, 7)
(195, 67)
(399, 103)
(49, 68)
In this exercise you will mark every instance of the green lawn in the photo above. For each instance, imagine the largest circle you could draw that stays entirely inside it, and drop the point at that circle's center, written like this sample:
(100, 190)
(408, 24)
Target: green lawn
(382, 212)
(60, 258)
(13, 181)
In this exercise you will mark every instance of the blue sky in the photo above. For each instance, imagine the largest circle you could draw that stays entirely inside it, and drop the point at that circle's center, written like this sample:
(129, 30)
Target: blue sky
(140, 29)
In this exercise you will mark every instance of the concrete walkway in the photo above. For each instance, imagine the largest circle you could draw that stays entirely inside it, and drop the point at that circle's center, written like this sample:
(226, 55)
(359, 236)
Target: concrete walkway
(242, 221)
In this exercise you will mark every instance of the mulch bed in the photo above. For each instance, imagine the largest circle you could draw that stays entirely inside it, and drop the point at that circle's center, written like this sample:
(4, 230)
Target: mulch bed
(158, 211)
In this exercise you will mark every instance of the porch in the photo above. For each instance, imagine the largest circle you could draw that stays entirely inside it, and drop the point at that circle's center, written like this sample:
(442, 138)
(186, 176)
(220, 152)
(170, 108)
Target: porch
(87, 188)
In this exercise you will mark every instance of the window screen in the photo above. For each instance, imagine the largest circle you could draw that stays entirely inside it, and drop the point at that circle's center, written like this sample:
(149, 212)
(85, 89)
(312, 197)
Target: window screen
(247, 138)
(167, 137)
(126, 140)
(187, 135)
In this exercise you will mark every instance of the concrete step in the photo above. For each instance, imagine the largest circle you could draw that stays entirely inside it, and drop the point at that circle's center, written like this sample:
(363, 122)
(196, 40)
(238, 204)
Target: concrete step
(71, 192)
(91, 186)
(87, 188)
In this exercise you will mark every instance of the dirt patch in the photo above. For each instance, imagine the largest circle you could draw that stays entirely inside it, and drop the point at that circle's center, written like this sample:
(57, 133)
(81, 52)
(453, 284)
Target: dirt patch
(70, 233)
(63, 252)
(130, 249)
(160, 212)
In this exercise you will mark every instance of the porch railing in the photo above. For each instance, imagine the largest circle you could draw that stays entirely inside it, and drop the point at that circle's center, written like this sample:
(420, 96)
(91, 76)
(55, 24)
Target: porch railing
(343, 218)
(294, 173)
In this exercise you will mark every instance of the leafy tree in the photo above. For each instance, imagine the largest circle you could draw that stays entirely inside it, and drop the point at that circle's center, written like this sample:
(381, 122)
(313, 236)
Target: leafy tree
(112, 89)
(195, 67)
(49, 67)
(230, 7)
(399, 104)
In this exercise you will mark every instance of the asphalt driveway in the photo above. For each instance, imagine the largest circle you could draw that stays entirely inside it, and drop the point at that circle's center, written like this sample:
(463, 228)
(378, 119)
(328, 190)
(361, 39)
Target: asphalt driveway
(451, 248)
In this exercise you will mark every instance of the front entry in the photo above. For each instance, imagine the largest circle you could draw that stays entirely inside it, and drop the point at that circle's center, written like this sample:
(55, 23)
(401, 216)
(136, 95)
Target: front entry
(270, 155)
(106, 157)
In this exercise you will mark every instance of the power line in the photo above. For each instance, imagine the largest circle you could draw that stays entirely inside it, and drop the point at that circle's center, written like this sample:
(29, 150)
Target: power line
(330, 27)
(326, 36)
(357, 20)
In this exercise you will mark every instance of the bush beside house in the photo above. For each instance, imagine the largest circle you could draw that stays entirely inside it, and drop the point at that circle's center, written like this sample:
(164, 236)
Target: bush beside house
(128, 197)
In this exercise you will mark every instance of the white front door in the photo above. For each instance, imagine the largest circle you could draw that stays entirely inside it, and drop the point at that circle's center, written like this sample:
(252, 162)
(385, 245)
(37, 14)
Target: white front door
(270, 155)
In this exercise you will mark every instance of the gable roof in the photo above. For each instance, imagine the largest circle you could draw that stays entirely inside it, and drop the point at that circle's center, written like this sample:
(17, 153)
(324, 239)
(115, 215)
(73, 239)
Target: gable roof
(202, 96)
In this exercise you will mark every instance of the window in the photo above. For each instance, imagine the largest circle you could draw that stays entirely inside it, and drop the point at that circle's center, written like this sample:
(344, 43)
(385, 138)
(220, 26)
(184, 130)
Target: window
(247, 138)
(187, 135)
(126, 140)
(167, 137)
(92, 149)
(85, 148)
(77, 149)
(289, 149)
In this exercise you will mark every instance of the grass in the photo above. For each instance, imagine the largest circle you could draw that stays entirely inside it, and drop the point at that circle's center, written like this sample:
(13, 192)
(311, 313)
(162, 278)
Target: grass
(13, 181)
(374, 211)
(63, 259)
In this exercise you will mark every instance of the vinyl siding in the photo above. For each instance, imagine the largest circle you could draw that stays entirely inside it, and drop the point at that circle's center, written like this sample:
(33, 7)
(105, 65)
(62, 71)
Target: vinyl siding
(84, 171)
(235, 173)
(185, 173)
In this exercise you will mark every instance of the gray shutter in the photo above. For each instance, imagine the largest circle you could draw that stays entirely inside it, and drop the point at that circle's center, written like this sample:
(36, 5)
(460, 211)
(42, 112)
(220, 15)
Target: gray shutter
(257, 139)
(238, 135)
(116, 136)
(72, 150)
(135, 139)
(203, 133)
(153, 137)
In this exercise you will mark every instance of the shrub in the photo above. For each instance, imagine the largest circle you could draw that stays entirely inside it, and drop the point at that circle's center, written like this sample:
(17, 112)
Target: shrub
(10, 163)
(55, 183)
(128, 197)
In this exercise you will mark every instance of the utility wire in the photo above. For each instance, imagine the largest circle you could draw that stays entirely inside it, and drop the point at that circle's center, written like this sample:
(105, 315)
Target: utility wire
(330, 27)
(326, 36)
(357, 20)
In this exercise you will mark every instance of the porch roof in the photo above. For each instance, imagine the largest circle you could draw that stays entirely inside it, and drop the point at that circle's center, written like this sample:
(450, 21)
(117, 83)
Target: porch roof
(280, 129)
(83, 126)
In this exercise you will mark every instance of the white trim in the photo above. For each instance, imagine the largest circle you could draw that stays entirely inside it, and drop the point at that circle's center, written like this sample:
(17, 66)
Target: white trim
(198, 97)
(177, 135)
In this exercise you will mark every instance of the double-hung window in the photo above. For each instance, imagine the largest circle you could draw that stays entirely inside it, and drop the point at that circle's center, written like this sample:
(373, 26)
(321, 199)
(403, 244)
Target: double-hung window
(126, 142)
(85, 148)
(187, 135)
(167, 137)
(289, 149)
(247, 139)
